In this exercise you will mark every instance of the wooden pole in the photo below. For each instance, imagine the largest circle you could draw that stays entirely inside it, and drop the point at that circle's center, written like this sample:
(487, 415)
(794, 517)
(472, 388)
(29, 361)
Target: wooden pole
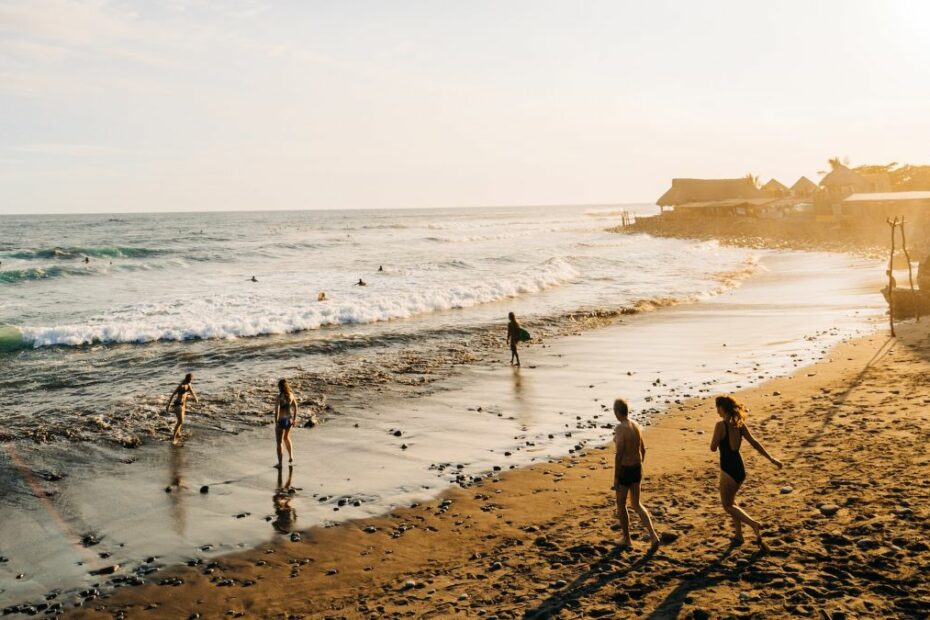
(910, 272)
(892, 225)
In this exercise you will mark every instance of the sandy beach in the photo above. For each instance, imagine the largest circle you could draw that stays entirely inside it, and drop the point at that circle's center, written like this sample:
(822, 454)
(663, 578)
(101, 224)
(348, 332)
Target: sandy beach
(846, 520)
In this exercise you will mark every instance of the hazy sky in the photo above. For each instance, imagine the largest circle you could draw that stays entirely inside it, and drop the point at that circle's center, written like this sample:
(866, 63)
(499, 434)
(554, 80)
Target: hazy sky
(193, 105)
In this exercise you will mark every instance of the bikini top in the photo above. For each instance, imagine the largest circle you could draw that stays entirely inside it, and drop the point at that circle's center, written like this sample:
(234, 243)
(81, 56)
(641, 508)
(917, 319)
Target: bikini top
(182, 390)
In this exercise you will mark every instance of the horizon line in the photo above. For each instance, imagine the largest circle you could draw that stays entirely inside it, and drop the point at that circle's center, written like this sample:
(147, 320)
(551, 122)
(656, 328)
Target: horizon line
(498, 206)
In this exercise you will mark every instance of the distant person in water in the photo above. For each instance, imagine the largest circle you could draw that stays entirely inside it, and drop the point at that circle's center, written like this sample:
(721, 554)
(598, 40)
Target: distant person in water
(178, 403)
(513, 337)
(628, 472)
(380, 268)
(86, 259)
(728, 436)
(321, 296)
(360, 283)
(892, 283)
(254, 279)
(285, 417)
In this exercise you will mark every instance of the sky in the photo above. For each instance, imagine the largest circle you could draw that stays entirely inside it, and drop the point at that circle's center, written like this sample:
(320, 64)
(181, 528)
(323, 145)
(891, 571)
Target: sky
(187, 105)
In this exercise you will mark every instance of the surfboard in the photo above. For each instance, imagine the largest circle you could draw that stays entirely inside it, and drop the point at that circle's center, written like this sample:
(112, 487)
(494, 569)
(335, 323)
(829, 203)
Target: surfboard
(524, 335)
(11, 339)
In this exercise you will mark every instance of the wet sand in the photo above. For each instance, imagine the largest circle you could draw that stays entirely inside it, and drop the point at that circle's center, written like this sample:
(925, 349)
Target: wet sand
(847, 522)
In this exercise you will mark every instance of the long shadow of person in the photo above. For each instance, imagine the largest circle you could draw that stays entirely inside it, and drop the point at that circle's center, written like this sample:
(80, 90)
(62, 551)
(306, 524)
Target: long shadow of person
(285, 515)
(708, 577)
(598, 575)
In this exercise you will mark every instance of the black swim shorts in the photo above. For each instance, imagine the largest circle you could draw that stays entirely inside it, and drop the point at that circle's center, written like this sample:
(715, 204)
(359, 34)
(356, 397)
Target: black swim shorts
(629, 475)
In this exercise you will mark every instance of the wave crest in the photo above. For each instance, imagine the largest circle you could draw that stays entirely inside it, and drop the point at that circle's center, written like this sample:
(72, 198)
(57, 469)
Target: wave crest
(70, 253)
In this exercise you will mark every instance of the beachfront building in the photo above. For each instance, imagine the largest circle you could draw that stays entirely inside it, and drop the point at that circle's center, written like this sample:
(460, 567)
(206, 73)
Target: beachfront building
(775, 189)
(803, 188)
(882, 205)
(713, 197)
(836, 186)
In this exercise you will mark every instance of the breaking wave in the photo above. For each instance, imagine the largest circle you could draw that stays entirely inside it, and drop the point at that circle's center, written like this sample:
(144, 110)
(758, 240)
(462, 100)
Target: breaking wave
(70, 253)
(214, 319)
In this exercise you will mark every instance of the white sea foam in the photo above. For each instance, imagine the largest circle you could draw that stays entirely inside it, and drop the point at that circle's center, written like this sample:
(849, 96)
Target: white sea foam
(226, 317)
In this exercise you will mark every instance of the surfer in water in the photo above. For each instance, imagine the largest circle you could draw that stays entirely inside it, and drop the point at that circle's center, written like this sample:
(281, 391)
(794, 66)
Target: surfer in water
(513, 337)
(254, 279)
(360, 283)
(380, 268)
(177, 402)
(321, 296)
(285, 417)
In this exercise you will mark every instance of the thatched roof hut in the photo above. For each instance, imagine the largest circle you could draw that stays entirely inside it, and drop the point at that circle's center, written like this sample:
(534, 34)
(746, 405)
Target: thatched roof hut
(842, 178)
(705, 190)
(803, 187)
(775, 188)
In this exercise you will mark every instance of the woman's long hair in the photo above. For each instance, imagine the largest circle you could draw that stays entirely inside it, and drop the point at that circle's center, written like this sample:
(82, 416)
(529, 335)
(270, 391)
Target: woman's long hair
(188, 379)
(733, 411)
(284, 388)
(513, 319)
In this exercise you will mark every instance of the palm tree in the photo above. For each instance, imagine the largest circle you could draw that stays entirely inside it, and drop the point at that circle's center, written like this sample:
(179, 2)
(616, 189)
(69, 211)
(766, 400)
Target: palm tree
(754, 179)
(835, 162)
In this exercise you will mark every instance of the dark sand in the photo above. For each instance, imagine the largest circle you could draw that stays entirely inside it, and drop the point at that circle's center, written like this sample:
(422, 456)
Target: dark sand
(847, 521)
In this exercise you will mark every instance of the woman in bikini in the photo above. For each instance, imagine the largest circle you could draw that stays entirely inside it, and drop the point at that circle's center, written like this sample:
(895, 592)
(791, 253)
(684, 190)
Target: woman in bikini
(285, 417)
(728, 436)
(178, 403)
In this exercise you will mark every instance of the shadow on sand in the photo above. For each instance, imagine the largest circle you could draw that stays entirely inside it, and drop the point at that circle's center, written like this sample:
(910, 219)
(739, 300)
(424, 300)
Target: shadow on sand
(598, 575)
(712, 574)
(602, 574)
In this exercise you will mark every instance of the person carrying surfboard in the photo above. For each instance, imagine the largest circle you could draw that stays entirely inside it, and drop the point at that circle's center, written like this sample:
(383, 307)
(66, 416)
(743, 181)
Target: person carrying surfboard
(515, 334)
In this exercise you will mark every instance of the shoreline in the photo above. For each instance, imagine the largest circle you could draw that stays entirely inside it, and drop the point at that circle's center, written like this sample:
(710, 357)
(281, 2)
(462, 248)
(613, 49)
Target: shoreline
(538, 541)
(571, 376)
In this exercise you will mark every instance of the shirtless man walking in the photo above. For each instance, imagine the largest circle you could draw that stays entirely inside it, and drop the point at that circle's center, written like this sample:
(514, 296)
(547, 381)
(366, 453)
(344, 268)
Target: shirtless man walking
(628, 471)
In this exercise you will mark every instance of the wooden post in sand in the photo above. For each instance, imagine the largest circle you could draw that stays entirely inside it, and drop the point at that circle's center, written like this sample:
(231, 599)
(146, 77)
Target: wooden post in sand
(893, 225)
(910, 272)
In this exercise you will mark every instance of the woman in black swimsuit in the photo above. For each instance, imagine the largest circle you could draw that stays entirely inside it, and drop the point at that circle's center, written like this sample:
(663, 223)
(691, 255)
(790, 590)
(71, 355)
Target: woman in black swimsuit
(728, 435)
(178, 402)
(285, 417)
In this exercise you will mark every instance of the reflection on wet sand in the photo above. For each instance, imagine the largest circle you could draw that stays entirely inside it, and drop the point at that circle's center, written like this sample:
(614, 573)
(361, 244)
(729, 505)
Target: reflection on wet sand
(524, 409)
(285, 515)
(176, 461)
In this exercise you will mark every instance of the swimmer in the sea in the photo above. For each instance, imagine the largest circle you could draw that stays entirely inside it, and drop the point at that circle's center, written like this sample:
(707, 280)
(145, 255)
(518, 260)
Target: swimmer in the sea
(380, 268)
(360, 283)
(254, 279)
(285, 417)
(86, 260)
(177, 402)
(321, 296)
